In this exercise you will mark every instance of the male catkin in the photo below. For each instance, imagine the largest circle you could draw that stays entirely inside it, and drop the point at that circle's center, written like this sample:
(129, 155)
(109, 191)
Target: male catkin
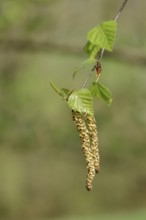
(85, 139)
(92, 129)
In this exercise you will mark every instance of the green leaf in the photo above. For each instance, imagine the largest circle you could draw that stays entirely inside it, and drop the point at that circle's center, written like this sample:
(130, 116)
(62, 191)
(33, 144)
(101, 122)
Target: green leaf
(65, 91)
(95, 91)
(62, 92)
(99, 90)
(103, 36)
(58, 91)
(83, 65)
(81, 101)
(91, 49)
(105, 93)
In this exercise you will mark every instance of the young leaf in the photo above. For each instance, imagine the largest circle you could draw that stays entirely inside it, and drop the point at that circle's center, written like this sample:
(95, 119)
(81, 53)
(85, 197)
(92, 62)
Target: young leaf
(81, 101)
(65, 91)
(95, 91)
(62, 92)
(105, 93)
(83, 65)
(99, 90)
(91, 49)
(103, 35)
(56, 89)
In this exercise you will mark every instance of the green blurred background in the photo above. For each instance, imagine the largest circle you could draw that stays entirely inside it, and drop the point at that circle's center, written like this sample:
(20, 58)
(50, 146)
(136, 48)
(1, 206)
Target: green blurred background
(42, 169)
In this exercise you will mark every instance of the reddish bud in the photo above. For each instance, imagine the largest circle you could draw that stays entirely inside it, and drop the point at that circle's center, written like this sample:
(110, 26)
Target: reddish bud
(98, 68)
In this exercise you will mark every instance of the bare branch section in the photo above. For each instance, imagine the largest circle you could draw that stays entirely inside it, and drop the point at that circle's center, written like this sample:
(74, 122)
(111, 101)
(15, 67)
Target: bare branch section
(121, 9)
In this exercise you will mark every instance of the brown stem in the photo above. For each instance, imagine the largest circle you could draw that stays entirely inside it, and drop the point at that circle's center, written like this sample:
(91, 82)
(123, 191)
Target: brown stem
(120, 10)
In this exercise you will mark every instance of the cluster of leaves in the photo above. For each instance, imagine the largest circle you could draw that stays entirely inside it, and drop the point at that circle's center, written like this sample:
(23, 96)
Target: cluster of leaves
(81, 100)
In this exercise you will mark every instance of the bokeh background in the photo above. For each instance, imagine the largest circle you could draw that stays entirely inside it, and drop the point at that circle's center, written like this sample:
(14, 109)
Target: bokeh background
(42, 169)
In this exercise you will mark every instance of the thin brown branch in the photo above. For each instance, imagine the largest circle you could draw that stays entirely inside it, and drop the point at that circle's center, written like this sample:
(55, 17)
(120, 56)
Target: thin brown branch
(89, 76)
(120, 10)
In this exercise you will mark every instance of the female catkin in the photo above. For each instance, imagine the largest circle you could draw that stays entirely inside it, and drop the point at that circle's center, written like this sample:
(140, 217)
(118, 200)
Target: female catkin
(85, 139)
(92, 129)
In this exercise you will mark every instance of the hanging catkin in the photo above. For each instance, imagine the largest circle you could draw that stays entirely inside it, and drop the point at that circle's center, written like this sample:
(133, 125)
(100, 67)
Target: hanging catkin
(85, 139)
(92, 129)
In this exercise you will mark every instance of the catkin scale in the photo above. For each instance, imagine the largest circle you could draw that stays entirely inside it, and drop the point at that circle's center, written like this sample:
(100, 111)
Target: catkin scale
(85, 139)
